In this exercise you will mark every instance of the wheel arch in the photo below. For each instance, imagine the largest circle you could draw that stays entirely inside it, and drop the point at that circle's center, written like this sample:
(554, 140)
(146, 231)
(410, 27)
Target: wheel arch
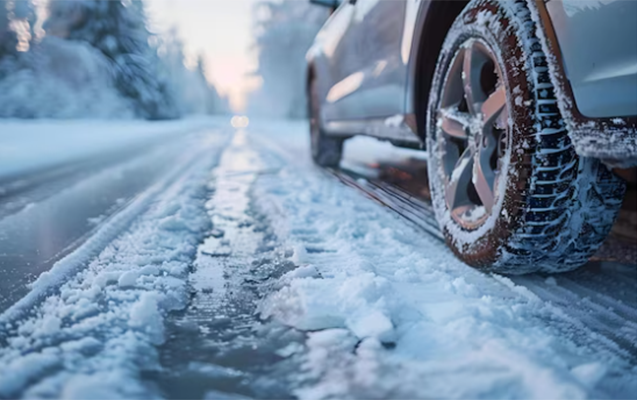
(432, 25)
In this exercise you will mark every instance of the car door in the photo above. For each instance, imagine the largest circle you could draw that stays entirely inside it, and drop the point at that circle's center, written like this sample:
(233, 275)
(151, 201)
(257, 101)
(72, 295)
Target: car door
(372, 84)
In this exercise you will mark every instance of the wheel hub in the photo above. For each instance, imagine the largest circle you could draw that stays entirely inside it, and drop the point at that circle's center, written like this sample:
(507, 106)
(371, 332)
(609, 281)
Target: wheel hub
(472, 123)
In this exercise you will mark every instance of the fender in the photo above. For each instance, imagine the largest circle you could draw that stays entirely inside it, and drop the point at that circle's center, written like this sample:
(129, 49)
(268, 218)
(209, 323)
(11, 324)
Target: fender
(612, 140)
(432, 23)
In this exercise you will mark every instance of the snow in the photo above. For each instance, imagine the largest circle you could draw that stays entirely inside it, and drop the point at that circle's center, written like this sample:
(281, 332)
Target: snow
(90, 325)
(32, 145)
(61, 79)
(452, 331)
(614, 143)
(571, 7)
(386, 311)
(394, 122)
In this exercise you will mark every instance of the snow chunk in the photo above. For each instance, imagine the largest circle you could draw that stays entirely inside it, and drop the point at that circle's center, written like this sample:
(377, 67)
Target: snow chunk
(375, 324)
(394, 122)
(144, 315)
(93, 387)
(589, 374)
(128, 279)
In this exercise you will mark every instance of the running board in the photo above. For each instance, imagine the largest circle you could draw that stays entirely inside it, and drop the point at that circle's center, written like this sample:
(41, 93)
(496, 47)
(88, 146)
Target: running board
(392, 128)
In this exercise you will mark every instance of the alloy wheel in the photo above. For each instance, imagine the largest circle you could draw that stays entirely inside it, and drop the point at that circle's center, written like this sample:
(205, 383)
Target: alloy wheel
(472, 123)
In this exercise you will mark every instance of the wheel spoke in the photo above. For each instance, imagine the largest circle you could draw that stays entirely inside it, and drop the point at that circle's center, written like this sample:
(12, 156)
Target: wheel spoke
(454, 90)
(456, 189)
(494, 105)
(471, 70)
(483, 174)
(453, 123)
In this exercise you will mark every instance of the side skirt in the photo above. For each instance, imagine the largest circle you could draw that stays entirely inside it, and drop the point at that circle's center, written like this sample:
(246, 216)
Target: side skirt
(394, 129)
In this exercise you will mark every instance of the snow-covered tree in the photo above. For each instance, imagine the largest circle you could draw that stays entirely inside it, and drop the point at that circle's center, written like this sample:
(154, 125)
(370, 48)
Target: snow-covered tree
(284, 31)
(8, 37)
(214, 103)
(118, 29)
(195, 95)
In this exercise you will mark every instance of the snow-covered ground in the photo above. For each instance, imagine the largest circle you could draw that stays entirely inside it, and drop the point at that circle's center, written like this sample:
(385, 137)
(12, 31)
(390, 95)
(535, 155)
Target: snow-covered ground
(27, 146)
(246, 271)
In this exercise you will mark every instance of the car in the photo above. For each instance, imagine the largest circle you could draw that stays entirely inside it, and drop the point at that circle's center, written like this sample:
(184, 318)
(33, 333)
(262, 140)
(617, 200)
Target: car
(527, 110)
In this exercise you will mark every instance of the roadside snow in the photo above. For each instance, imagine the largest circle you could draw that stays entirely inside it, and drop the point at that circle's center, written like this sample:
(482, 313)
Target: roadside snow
(97, 330)
(392, 314)
(59, 78)
(31, 145)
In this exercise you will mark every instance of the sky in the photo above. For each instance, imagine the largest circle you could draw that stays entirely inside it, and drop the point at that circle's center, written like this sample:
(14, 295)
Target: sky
(221, 30)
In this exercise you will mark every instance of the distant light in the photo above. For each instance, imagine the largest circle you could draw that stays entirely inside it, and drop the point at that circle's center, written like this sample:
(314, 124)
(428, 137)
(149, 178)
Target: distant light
(240, 121)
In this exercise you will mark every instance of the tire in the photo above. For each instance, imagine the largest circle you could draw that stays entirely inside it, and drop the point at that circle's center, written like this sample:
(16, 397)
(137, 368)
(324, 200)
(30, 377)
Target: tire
(549, 210)
(327, 151)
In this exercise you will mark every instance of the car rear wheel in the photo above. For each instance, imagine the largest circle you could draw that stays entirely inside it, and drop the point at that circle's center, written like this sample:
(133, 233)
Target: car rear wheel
(509, 191)
(326, 150)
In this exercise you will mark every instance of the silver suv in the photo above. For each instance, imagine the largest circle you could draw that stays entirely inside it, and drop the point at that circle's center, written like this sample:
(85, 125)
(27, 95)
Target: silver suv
(527, 109)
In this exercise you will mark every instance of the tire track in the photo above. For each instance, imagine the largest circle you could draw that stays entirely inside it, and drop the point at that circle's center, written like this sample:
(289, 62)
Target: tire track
(601, 295)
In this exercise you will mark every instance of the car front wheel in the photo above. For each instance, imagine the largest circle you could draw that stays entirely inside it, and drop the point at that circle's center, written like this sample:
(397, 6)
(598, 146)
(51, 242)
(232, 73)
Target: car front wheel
(509, 191)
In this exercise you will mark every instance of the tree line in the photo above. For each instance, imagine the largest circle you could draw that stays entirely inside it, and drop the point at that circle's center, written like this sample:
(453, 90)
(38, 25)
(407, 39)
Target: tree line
(95, 58)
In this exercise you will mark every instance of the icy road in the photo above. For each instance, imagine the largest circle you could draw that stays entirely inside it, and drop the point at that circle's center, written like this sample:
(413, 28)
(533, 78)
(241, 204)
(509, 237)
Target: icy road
(192, 260)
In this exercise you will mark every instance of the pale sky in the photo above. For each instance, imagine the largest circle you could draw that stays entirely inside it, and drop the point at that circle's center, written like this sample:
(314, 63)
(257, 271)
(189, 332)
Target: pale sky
(221, 30)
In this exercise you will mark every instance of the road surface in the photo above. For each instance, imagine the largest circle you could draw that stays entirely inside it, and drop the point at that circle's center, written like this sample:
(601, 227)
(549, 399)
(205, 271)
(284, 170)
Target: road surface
(208, 262)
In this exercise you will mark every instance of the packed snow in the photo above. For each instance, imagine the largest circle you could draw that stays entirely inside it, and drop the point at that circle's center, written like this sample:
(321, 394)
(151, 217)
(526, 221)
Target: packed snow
(405, 319)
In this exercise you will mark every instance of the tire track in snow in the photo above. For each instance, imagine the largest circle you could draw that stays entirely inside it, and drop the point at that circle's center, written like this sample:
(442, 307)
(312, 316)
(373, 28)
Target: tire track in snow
(452, 331)
(114, 225)
(90, 326)
(217, 346)
(63, 214)
(601, 307)
(19, 191)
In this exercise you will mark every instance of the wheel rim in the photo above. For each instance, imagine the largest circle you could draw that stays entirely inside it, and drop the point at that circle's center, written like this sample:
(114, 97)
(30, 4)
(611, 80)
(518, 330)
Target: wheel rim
(473, 130)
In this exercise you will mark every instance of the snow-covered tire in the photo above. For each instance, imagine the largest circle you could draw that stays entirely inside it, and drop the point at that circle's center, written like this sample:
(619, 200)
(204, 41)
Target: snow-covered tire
(551, 209)
(327, 151)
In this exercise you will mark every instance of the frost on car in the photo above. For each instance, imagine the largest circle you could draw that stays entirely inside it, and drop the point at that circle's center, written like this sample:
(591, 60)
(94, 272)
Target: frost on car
(527, 110)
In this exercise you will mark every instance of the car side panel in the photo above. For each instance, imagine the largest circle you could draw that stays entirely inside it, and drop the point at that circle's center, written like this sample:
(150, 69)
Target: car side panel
(330, 55)
(375, 85)
(598, 44)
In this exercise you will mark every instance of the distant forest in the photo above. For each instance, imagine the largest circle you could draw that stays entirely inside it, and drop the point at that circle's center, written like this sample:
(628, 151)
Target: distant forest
(95, 58)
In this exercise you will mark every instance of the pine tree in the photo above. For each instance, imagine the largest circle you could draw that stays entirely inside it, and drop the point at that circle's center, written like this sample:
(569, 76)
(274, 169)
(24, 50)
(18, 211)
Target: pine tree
(8, 37)
(118, 29)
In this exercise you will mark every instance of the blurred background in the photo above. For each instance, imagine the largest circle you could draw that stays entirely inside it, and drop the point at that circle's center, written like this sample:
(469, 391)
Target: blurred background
(154, 59)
